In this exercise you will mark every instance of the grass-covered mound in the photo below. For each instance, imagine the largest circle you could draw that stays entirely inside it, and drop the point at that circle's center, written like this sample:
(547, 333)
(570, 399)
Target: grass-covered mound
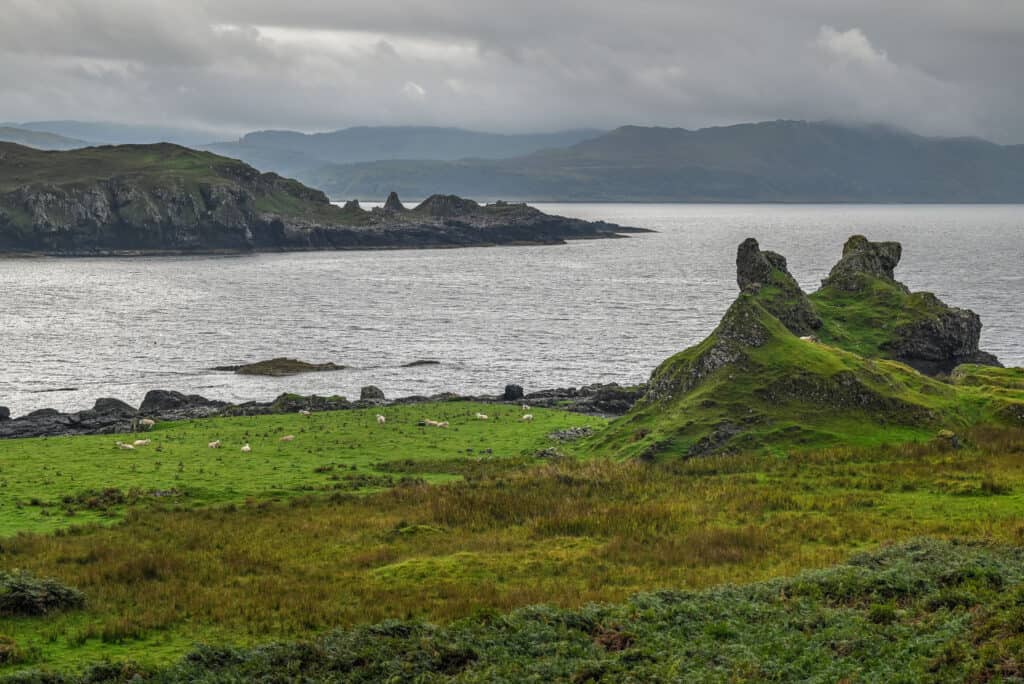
(759, 381)
(923, 611)
(509, 534)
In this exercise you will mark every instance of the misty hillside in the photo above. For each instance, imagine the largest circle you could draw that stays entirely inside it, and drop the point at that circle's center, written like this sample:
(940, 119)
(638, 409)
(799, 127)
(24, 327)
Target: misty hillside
(38, 139)
(295, 153)
(778, 161)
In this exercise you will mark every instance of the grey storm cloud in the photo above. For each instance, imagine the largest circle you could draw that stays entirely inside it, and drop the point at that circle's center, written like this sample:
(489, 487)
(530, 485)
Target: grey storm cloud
(939, 67)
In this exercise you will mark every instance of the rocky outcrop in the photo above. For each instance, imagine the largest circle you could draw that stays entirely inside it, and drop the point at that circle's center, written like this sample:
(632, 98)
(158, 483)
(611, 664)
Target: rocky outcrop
(163, 403)
(107, 416)
(766, 273)
(513, 393)
(371, 393)
(164, 198)
(863, 257)
(869, 311)
(5, 413)
(281, 367)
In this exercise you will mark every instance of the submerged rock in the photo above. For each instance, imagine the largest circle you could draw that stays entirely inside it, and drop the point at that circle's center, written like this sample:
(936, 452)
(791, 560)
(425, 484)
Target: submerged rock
(282, 366)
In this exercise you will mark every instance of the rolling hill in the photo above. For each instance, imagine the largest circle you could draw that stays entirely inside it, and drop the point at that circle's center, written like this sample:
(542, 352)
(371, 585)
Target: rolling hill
(777, 161)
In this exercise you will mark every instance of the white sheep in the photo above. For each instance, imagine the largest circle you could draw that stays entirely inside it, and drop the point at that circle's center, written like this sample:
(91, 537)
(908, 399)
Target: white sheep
(809, 338)
(443, 424)
(146, 424)
(288, 438)
(142, 442)
(214, 445)
(304, 412)
(381, 419)
(246, 448)
(526, 407)
(481, 416)
(527, 417)
(122, 445)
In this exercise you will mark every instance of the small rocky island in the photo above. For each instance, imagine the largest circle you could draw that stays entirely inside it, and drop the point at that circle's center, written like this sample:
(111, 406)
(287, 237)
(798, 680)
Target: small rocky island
(281, 367)
(151, 199)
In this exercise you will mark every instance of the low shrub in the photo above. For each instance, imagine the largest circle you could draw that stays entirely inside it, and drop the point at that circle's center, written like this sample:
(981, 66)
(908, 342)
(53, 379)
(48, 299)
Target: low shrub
(23, 594)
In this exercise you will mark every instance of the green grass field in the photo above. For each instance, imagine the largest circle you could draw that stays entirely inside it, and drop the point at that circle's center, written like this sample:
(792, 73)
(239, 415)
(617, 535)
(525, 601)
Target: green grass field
(262, 546)
(51, 483)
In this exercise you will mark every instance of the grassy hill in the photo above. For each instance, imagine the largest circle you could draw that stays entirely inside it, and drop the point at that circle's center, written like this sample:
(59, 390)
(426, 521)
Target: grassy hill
(778, 161)
(760, 381)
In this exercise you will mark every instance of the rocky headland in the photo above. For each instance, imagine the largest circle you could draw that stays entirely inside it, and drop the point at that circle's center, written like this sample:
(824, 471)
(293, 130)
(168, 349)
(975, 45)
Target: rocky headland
(145, 199)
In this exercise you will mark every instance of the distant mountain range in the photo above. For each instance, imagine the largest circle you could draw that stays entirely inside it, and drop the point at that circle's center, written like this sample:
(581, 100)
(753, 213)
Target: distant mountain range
(303, 154)
(38, 139)
(778, 161)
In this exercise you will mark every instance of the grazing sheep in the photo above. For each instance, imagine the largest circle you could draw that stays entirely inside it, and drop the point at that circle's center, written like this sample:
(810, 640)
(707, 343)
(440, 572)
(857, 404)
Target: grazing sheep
(443, 423)
(528, 417)
(434, 423)
(146, 424)
(304, 412)
(141, 442)
(381, 419)
(526, 407)
(122, 445)
(214, 445)
(288, 438)
(246, 448)
(481, 416)
(809, 338)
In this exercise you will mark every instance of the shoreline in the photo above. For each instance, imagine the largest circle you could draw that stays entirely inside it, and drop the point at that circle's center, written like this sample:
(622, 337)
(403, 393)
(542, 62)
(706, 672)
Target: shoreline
(113, 416)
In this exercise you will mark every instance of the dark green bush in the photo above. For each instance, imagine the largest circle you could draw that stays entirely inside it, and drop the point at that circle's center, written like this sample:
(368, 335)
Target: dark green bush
(23, 594)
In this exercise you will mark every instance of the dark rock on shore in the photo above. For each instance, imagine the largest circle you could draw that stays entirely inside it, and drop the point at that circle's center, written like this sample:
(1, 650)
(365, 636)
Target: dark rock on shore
(371, 393)
(113, 416)
(513, 393)
(5, 413)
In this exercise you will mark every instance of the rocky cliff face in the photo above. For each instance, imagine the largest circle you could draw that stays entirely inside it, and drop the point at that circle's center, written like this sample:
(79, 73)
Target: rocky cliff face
(168, 198)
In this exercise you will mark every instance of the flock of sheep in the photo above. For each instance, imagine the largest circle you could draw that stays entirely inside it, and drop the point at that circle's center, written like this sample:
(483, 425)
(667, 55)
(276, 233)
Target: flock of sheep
(147, 424)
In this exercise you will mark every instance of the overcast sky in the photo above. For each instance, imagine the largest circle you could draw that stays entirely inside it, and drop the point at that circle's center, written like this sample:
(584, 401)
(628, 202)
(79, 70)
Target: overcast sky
(945, 67)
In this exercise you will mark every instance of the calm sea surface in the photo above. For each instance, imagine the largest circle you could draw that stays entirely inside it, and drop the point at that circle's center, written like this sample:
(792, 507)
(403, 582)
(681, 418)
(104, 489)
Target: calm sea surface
(72, 330)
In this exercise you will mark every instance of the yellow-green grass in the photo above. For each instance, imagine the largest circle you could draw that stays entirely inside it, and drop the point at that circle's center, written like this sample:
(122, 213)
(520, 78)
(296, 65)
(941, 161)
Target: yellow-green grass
(49, 484)
(566, 533)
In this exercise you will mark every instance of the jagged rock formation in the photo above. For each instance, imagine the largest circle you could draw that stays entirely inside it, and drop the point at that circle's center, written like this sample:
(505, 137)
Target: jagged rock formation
(166, 198)
(862, 257)
(393, 205)
(865, 309)
(766, 273)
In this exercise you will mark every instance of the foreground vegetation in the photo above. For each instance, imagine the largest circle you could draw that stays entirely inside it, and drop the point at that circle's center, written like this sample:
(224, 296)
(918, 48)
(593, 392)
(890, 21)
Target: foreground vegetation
(922, 611)
(566, 533)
